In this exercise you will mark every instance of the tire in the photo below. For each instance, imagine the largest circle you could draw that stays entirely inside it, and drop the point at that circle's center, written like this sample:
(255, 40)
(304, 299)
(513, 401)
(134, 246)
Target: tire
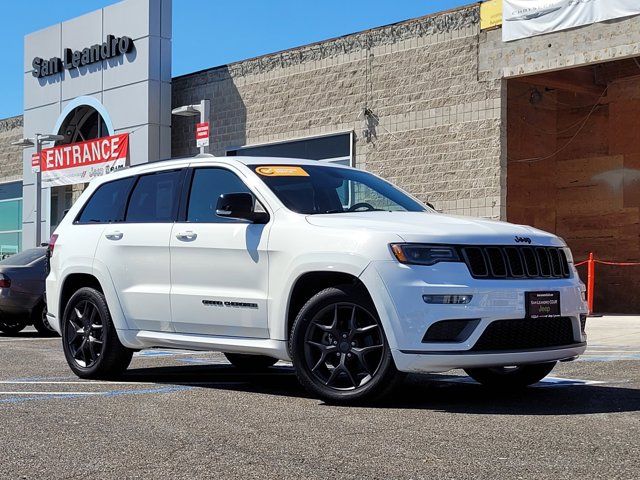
(41, 323)
(339, 349)
(89, 339)
(12, 327)
(250, 362)
(511, 378)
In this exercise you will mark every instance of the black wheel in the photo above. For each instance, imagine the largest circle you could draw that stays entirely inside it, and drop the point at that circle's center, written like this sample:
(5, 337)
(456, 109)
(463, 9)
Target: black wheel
(12, 327)
(90, 342)
(41, 323)
(511, 377)
(339, 349)
(250, 362)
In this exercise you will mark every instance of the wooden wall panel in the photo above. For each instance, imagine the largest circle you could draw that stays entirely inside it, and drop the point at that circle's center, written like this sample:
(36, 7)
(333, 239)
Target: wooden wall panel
(589, 191)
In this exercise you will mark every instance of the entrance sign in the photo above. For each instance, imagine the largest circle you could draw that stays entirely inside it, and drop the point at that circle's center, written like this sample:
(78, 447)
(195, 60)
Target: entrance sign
(526, 18)
(202, 134)
(81, 162)
(35, 163)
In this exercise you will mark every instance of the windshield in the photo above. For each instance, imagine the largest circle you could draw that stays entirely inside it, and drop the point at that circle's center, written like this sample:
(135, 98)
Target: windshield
(24, 258)
(312, 189)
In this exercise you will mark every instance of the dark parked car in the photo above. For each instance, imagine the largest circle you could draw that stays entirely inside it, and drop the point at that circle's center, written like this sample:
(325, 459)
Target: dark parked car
(22, 300)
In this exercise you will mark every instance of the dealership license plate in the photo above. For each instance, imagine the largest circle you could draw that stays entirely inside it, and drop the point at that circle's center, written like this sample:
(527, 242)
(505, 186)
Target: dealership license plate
(542, 304)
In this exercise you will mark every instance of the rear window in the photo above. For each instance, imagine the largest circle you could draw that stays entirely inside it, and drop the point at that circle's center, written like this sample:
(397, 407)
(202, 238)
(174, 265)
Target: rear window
(154, 198)
(107, 203)
(24, 258)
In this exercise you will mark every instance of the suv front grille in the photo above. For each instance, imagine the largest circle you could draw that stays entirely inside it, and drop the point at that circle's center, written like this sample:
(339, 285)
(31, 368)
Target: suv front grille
(513, 262)
(526, 333)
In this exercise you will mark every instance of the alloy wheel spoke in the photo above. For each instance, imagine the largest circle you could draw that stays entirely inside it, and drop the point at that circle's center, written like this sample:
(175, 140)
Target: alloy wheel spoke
(352, 320)
(345, 369)
(92, 352)
(334, 375)
(365, 350)
(367, 328)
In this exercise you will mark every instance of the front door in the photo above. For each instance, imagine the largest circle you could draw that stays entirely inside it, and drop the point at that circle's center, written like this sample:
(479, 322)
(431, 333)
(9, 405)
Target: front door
(219, 266)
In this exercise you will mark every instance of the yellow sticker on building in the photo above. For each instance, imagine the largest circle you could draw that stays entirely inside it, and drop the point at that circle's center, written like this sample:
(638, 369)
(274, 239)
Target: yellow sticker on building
(490, 14)
(282, 171)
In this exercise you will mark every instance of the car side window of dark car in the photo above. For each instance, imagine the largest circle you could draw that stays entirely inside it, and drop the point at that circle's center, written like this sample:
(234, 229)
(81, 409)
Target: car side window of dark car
(107, 203)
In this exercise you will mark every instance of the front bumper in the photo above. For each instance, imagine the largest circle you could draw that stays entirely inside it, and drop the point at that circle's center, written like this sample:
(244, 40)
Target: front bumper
(397, 291)
(442, 361)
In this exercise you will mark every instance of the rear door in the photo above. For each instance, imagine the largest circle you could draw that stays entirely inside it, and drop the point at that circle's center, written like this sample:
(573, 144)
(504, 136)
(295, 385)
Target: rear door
(136, 251)
(219, 266)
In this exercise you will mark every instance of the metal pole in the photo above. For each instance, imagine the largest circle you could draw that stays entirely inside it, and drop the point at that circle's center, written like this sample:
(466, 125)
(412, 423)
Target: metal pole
(38, 186)
(204, 117)
(591, 280)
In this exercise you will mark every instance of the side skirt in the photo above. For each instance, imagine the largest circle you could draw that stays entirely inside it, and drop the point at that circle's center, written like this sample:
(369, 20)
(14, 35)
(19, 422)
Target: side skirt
(140, 339)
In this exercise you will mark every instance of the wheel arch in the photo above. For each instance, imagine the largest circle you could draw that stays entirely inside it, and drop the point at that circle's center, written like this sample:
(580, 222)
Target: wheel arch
(309, 283)
(94, 279)
(72, 283)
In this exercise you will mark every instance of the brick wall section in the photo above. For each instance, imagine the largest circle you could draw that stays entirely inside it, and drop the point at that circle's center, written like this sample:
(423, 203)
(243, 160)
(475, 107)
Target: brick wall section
(434, 130)
(599, 42)
(10, 156)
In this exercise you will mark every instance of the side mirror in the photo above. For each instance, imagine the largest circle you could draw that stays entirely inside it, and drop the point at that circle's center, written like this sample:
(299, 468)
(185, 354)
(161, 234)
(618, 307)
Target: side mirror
(240, 206)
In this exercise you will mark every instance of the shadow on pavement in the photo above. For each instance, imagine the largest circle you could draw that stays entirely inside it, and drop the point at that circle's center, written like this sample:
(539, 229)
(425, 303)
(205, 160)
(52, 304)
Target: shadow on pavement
(29, 334)
(432, 392)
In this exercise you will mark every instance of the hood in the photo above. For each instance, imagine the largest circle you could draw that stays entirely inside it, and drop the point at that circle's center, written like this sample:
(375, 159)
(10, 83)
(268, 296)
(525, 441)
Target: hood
(430, 227)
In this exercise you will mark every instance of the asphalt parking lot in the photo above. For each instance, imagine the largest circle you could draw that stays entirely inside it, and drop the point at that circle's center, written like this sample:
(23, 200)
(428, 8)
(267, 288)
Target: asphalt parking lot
(181, 414)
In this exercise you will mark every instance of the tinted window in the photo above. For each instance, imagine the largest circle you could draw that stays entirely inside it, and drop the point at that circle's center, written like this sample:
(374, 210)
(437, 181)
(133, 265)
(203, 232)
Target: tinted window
(318, 189)
(107, 203)
(313, 148)
(25, 258)
(207, 186)
(154, 198)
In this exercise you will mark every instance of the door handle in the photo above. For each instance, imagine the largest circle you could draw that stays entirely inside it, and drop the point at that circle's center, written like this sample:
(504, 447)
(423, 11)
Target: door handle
(187, 236)
(114, 235)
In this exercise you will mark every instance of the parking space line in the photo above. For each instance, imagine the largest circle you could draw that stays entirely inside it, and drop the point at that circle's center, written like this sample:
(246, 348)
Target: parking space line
(79, 382)
(53, 393)
(34, 339)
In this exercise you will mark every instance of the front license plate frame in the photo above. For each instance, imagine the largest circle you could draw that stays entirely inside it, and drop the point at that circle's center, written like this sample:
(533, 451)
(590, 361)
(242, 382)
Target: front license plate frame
(542, 304)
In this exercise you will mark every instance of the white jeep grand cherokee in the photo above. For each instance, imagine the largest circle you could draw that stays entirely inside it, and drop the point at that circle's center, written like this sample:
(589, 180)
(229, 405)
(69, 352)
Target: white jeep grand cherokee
(333, 268)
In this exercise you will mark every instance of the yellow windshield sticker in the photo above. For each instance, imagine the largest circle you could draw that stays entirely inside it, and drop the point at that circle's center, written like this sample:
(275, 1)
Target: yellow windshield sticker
(282, 171)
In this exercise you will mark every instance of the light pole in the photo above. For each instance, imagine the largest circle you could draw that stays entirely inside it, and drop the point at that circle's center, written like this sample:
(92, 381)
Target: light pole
(201, 109)
(39, 139)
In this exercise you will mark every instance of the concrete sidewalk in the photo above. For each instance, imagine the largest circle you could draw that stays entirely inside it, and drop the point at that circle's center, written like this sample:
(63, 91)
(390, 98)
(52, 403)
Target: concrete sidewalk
(613, 337)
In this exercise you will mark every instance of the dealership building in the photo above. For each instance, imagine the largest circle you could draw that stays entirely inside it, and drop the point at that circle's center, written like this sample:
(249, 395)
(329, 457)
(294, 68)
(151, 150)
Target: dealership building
(479, 111)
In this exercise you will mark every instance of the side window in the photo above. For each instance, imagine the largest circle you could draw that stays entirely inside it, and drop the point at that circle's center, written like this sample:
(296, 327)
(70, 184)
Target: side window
(154, 198)
(107, 203)
(207, 186)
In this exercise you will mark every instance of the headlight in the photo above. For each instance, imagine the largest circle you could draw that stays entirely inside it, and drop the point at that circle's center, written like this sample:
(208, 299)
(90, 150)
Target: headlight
(419, 254)
(568, 254)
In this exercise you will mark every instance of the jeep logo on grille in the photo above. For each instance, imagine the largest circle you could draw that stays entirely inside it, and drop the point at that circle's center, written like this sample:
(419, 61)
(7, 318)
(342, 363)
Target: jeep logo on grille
(523, 240)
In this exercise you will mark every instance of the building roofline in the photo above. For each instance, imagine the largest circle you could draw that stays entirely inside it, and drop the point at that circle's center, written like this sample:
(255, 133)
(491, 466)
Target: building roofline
(331, 39)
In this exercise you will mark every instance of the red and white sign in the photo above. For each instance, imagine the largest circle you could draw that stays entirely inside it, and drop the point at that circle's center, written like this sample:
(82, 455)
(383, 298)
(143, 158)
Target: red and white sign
(35, 163)
(83, 161)
(202, 134)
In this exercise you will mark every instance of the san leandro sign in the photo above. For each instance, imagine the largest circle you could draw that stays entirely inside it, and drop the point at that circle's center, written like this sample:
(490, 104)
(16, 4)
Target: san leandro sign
(112, 47)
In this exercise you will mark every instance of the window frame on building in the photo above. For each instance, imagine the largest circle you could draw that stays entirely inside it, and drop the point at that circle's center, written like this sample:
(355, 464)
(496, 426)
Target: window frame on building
(18, 232)
(350, 158)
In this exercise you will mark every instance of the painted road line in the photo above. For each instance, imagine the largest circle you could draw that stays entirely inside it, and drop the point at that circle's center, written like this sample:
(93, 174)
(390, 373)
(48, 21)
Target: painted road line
(53, 393)
(21, 397)
(35, 339)
(78, 382)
